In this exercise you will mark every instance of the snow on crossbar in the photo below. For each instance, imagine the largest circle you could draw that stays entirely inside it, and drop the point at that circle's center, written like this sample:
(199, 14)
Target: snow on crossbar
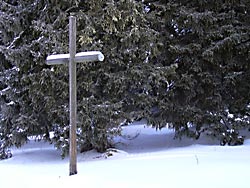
(79, 57)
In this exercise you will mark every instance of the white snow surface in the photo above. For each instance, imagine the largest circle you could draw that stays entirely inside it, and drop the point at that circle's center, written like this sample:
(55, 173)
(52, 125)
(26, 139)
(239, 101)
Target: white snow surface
(89, 54)
(143, 158)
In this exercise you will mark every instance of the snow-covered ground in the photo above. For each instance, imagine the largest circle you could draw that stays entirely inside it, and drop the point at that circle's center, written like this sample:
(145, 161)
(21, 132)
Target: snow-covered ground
(144, 158)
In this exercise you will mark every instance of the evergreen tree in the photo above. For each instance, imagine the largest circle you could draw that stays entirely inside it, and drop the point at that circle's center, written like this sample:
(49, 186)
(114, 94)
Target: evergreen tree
(209, 41)
(36, 95)
(29, 92)
(178, 63)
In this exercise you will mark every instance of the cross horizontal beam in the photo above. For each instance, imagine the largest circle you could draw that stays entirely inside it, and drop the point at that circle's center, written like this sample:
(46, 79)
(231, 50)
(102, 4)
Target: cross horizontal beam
(79, 57)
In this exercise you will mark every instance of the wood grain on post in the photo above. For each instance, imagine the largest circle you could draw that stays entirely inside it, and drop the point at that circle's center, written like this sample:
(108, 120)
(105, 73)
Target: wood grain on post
(72, 98)
(72, 58)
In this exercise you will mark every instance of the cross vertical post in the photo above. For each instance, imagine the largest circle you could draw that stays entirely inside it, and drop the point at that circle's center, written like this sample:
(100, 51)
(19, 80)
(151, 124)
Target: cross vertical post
(71, 59)
(72, 98)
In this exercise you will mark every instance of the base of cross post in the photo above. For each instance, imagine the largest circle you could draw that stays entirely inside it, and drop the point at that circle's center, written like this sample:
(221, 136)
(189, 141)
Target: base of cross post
(73, 172)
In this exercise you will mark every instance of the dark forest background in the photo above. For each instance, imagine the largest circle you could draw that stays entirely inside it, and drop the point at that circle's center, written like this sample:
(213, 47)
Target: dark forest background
(182, 64)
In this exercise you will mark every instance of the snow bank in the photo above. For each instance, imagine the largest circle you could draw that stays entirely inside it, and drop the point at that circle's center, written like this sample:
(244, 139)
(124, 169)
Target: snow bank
(144, 158)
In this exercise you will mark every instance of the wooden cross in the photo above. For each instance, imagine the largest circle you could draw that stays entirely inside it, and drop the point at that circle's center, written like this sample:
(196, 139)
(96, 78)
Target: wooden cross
(72, 58)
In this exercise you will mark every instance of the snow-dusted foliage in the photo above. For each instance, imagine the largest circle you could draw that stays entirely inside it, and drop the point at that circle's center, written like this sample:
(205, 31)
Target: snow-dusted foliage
(182, 64)
(209, 42)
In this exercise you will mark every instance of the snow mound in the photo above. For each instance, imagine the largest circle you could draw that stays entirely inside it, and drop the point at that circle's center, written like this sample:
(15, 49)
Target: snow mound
(143, 157)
